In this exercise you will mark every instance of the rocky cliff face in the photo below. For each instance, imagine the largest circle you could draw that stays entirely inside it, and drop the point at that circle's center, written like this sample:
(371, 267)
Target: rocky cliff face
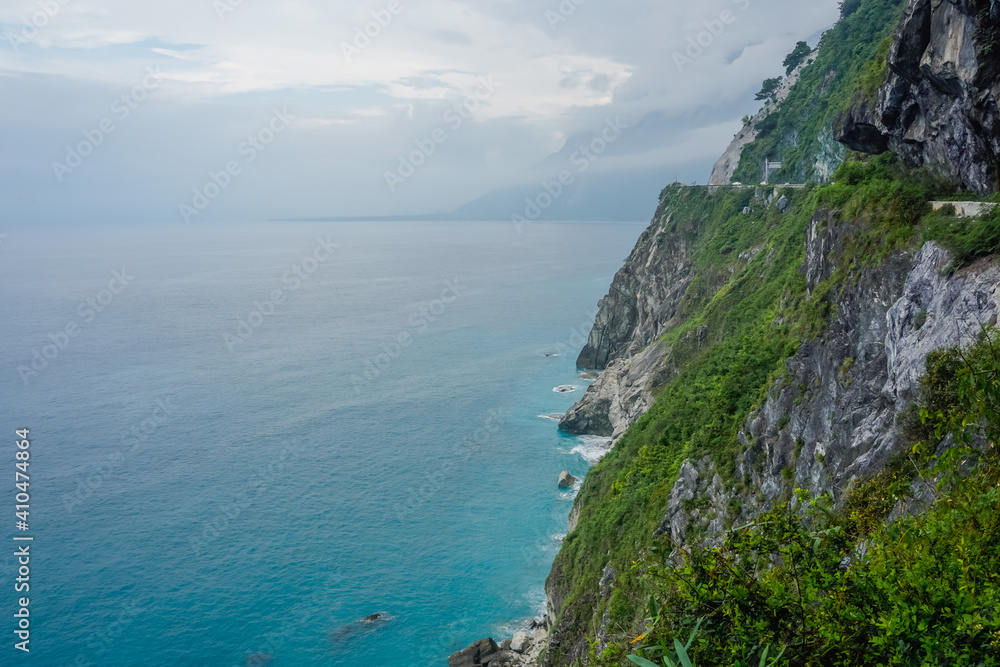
(725, 166)
(641, 304)
(938, 107)
(643, 297)
(839, 409)
(837, 413)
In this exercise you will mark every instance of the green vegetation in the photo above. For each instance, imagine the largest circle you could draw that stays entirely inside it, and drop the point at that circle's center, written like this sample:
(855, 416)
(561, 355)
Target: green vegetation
(968, 238)
(769, 88)
(796, 57)
(757, 313)
(839, 588)
(851, 58)
(807, 583)
(756, 316)
(848, 7)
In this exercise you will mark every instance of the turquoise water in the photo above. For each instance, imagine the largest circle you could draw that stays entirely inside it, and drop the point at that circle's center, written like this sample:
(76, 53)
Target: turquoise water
(216, 473)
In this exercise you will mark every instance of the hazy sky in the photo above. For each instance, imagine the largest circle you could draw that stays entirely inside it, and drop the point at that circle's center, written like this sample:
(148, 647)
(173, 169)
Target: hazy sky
(118, 111)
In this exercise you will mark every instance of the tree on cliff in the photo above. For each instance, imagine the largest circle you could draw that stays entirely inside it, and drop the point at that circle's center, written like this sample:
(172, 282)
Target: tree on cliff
(769, 88)
(795, 58)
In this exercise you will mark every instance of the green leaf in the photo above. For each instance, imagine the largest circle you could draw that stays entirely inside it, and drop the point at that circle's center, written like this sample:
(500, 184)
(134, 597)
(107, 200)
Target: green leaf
(682, 654)
(642, 662)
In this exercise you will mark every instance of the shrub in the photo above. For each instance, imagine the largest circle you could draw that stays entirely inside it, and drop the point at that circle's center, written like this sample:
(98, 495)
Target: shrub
(838, 588)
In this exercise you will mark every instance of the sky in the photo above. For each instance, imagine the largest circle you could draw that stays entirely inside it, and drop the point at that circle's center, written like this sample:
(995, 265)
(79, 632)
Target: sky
(193, 111)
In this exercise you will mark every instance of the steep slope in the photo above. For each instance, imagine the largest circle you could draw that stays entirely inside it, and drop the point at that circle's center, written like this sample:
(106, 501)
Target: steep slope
(800, 131)
(750, 348)
(725, 166)
(760, 341)
(939, 107)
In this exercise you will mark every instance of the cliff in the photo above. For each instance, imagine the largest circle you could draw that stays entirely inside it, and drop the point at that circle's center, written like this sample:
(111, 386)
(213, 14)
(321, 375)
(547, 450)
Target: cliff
(760, 341)
(860, 302)
(725, 166)
(938, 107)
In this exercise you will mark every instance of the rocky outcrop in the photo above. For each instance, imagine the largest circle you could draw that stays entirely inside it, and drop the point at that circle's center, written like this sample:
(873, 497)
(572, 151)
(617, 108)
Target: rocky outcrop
(641, 304)
(566, 480)
(938, 107)
(476, 655)
(521, 651)
(643, 297)
(698, 502)
(619, 396)
(839, 411)
(722, 172)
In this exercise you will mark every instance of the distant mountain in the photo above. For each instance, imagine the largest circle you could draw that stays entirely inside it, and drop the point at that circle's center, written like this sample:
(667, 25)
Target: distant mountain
(621, 196)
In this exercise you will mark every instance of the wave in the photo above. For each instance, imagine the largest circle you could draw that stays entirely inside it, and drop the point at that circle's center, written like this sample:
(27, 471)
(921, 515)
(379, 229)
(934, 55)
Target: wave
(592, 448)
(551, 417)
(536, 601)
(570, 494)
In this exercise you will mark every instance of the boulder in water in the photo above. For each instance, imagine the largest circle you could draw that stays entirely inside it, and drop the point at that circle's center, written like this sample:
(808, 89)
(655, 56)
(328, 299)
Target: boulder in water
(566, 480)
(259, 659)
(475, 654)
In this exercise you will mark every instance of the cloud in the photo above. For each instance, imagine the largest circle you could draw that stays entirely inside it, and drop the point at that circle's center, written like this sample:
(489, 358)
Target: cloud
(410, 62)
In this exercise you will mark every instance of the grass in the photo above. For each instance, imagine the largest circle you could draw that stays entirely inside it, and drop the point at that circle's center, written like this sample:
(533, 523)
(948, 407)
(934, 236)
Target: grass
(923, 590)
(851, 61)
(757, 314)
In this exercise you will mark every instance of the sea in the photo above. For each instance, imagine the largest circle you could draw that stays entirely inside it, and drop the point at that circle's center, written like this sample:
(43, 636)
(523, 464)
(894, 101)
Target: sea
(243, 440)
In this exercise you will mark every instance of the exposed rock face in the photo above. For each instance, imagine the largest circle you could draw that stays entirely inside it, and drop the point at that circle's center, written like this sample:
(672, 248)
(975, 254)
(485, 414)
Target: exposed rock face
(722, 172)
(643, 297)
(640, 306)
(476, 655)
(566, 480)
(521, 651)
(837, 414)
(939, 105)
(619, 396)
(694, 483)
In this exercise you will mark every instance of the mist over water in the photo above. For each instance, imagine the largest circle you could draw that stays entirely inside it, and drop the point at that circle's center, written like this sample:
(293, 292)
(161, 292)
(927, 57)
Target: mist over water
(244, 440)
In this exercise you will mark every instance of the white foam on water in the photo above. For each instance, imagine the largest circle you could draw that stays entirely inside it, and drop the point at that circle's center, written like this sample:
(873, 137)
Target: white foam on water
(592, 448)
(551, 417)
(571, 493)
(537, 602)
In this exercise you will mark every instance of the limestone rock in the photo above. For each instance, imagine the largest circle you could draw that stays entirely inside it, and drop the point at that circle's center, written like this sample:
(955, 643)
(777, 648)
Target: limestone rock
(938, 107)
(618, 397)
(520, 642)
(566, 480)
(722, 172)
(475, 655)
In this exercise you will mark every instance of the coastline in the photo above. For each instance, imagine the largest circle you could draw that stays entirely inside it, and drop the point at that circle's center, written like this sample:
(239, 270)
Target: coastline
(531, 636)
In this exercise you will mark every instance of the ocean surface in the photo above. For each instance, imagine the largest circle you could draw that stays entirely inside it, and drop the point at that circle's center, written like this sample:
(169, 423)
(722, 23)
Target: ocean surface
(246, 439)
